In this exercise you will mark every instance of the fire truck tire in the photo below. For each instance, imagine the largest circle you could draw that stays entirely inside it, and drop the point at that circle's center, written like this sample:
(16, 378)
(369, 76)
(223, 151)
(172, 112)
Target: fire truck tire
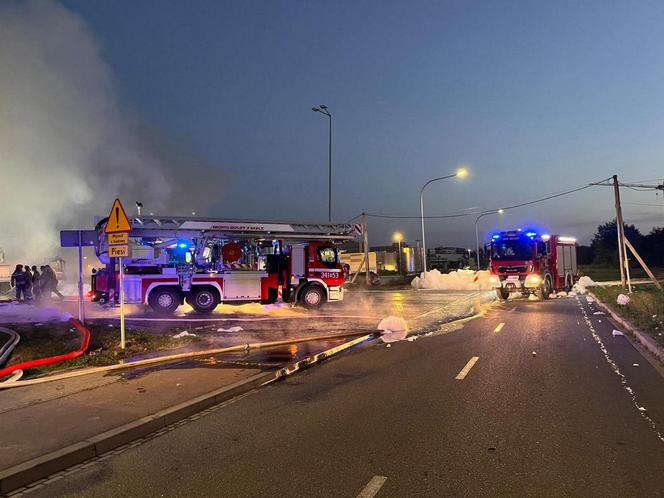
(503, 293)
(204, 300)
(164, 300)
(546, 289)
(312, 297)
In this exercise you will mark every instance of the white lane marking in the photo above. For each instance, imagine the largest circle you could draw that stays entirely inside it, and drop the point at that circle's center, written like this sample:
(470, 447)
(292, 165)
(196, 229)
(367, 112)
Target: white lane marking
(464, 371)
(513, 309)
(372, 487)
(499, 327)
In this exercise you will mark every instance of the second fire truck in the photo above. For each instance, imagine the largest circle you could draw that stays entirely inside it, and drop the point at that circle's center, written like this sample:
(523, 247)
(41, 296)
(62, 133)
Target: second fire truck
(205, 262)
(527, 262)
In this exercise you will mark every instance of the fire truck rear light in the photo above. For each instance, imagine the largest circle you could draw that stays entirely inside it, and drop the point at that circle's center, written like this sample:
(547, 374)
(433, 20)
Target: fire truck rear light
(570, 240)
(546, 237)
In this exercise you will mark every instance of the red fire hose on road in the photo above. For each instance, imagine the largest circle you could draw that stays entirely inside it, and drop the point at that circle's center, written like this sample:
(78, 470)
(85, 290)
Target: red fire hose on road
(85, 341)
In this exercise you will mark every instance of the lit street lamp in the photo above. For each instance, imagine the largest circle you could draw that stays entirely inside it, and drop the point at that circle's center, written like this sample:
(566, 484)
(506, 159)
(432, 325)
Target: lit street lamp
(477, 233)
(398, 237)
(323, 110)
(461, 173)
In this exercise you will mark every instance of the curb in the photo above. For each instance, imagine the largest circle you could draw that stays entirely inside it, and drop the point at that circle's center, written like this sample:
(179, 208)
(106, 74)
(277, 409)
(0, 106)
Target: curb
(646, 341)
(43, 466)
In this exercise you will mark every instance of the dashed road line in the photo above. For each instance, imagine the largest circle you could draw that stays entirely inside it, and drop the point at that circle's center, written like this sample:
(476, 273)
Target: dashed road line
(464, 371)
(372, 487)
(499, 327)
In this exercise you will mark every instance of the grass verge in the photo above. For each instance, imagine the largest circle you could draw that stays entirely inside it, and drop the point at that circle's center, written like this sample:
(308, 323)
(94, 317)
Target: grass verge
(645, 308)
(50, 339)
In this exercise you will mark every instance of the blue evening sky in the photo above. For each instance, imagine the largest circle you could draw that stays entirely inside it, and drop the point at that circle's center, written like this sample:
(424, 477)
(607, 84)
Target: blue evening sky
(534, 97)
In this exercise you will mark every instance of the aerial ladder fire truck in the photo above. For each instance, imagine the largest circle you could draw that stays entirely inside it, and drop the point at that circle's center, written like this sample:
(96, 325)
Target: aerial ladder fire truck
(205, 262)
(531, 263)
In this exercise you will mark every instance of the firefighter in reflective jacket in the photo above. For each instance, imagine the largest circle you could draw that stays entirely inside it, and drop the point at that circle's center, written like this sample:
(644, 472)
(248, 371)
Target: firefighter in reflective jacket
(19, 282)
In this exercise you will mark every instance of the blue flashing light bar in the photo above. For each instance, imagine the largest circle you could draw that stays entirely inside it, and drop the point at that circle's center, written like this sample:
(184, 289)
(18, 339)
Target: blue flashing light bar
(496, 236)
(531, 234)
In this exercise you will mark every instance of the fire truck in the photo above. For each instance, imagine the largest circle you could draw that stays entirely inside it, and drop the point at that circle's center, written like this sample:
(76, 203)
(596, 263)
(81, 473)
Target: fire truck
(531, 263)
(205, 262)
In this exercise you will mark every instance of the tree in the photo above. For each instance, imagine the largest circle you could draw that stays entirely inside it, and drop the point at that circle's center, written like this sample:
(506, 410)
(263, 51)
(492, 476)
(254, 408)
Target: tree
(605, 242)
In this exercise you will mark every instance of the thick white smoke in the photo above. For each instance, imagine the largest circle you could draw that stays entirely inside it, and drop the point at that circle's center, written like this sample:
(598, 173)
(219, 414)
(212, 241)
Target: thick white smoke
(67, 147)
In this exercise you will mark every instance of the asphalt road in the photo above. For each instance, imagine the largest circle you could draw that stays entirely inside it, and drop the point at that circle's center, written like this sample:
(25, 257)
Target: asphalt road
(550, 407)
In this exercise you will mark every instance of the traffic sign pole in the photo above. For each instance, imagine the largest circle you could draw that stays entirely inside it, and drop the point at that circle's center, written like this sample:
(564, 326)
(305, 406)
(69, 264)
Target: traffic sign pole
(117, 231)
(122, 300)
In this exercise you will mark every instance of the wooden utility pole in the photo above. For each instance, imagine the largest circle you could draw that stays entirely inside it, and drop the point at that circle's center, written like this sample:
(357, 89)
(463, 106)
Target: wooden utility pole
(365, 226)
(622, 256)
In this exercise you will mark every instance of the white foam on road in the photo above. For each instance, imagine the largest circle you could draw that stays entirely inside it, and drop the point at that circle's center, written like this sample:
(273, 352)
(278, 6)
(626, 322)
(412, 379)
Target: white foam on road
(394, 329)
(454, 280)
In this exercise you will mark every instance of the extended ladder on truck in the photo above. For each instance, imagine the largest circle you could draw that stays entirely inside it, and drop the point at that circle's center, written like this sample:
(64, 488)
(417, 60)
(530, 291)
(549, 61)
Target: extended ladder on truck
(223, 261)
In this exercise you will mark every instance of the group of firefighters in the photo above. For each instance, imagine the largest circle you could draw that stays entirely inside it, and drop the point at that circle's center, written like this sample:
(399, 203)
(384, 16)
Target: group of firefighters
(30, 284)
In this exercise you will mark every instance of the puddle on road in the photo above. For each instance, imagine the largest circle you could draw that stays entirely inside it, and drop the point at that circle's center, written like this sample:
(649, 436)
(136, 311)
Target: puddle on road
(261, 359)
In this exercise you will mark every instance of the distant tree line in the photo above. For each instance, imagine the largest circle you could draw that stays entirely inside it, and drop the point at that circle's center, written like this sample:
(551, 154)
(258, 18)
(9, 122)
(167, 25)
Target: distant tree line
(603, 249)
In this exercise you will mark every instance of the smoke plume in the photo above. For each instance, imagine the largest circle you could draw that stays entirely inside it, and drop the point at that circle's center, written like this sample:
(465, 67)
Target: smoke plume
(67, 147)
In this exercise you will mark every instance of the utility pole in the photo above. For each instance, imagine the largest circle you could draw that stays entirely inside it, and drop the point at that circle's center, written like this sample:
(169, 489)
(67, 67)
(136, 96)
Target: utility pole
(620, 229)
(365, 226)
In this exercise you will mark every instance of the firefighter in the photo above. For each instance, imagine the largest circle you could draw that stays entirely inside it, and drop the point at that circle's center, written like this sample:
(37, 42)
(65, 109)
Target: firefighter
(18, 282)
(28, 282)
(36, 284)
(50, 282)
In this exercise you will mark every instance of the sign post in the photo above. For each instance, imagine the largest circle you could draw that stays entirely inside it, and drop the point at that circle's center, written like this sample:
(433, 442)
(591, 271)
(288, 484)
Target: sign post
(117, 230)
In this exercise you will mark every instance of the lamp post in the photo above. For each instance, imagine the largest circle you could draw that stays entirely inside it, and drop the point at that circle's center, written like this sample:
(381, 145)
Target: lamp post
(461, 173)
(398, 237)
(323, 110)
(477, 233)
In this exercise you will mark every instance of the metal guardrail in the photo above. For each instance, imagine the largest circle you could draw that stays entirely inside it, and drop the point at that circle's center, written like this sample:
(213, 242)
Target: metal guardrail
(8, 347)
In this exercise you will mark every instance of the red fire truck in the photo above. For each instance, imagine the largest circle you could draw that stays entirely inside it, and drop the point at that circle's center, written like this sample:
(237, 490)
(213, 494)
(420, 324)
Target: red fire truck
(205, 262)
(527, 262)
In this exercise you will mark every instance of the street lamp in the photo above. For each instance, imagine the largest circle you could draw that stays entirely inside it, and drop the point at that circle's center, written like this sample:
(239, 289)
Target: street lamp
(398, 237)
(477, 233)
(323, 110)
(461, 173)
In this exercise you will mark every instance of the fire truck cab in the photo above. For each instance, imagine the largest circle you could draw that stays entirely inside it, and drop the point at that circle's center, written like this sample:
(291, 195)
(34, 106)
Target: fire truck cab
(208, 262)
(530, 263)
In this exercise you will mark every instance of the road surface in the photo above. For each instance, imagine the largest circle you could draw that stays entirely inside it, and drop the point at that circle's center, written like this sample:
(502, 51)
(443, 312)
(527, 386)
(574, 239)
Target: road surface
(530, 399)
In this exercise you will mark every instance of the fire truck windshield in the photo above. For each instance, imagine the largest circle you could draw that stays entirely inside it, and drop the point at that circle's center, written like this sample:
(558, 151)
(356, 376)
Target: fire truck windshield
(328, 256)
(511, 250)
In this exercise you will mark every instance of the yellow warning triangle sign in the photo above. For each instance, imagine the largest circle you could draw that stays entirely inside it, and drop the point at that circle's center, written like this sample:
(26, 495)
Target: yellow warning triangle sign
(117, 219)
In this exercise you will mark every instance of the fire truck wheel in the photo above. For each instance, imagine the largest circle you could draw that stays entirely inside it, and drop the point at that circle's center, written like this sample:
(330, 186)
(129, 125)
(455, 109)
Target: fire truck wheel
(164, 300)
(546, 289)
(204, 300)
(503, 293)
(312, 297)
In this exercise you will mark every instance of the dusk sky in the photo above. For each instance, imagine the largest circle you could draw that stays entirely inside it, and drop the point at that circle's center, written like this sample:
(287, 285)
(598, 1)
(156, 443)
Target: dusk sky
(533, 97)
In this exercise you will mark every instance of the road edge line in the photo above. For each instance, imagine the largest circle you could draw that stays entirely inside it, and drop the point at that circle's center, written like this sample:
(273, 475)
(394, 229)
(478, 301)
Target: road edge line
(645, 342)
(43, 466)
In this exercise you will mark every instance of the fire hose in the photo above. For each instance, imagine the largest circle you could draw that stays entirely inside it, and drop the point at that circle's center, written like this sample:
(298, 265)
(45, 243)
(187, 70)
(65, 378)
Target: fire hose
(8, 347)
(49, 360)
(14, 381)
